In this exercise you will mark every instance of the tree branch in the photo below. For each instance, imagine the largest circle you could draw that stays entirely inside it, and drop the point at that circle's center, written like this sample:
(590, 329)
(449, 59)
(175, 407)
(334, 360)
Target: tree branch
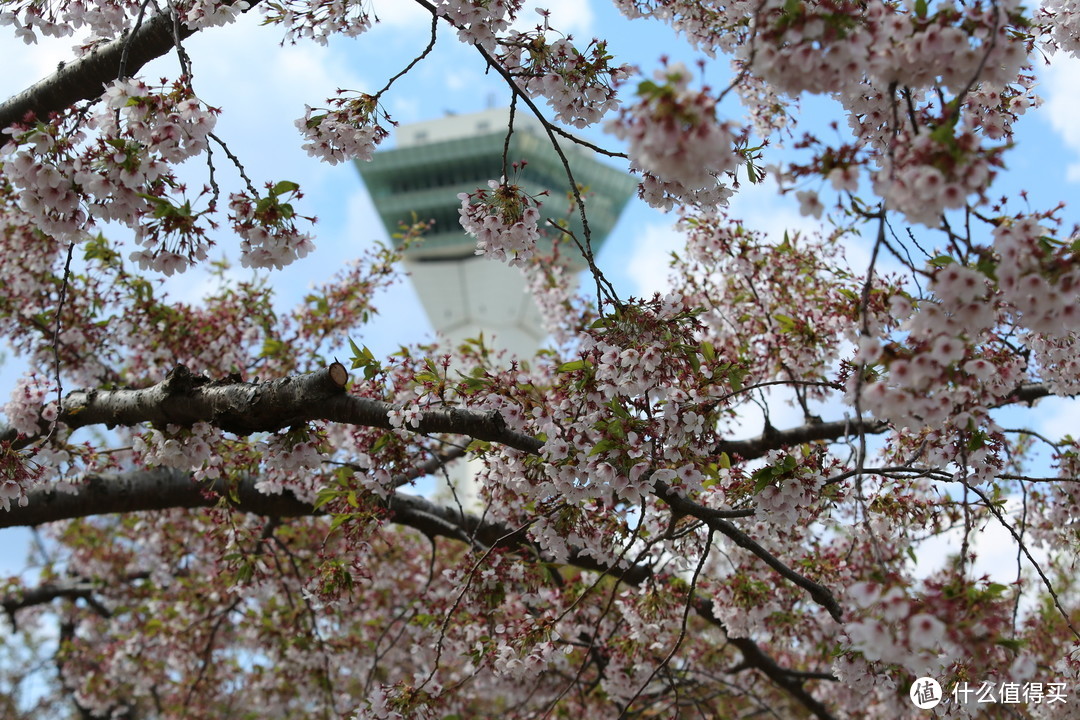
(240, 407)
(165, 488)
(86, 78)
(168, 488)
(710, 517)
(810, 432)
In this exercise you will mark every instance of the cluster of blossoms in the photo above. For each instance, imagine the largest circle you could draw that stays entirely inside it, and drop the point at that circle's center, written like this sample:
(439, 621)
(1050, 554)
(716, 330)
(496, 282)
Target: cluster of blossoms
(268, 227)
(201, 14)
(25, 410)
(896, 633)
(674, 135)
(12, 485)
(39, 166)
(171, 122)
(348, 131)
(666, 194)
(184, 448)
(827, 47)
(579, 86)
(1058, 361)
(408, 416)
(61, 20)
(65, 186)
(319, 21)
(762, 305)
(107, 19)
(479, 21)
(926, 384)
(768, 110)
(290, 459)
(1038, 277)
(921, 634)
(1061, 22)
(504, 220)
(993, 111)
(931, 172)
(783, 500)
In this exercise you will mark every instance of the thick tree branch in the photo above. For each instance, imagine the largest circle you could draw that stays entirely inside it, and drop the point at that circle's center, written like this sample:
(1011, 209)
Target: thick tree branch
(45, 593)
(86, 78)
(70, 588)
(167, 488)
(810, 432)
(240, 407)
(231, 404)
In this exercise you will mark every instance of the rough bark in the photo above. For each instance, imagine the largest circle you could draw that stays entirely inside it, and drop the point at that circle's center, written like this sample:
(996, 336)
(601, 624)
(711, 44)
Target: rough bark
(170, 488)
(243, 407)
(231, 404)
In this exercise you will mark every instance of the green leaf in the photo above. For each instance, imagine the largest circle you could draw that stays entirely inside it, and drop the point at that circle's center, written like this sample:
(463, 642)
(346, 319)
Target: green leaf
(735, 378)
(762, 478)
(1014, 644)
(338, 521)
(695, 363)
(603, 446)
(725, 461)
(615, 428)
(285, 186)
(787, 323)
(155, 199)
(245, 572)
(572, 366)
(849, 294)
(942, 261)
(921, 7)
(325, 496)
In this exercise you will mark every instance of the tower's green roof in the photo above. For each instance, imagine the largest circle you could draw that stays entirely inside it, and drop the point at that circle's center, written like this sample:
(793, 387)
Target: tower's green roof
(426, 179)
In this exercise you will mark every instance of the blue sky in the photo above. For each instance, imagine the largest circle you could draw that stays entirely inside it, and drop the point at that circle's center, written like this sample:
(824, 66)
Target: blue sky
(263, 87)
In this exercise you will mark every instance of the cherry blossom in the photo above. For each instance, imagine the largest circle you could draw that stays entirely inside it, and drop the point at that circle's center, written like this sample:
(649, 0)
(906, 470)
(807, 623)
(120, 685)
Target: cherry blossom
(503, 220)
(725, 499)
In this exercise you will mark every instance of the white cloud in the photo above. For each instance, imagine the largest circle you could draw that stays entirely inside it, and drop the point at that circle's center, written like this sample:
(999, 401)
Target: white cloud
(569, 16)
(396, 13)
(25, 64)
(648, 264)
(764, 210)
(1056, 417)
(1061, 90)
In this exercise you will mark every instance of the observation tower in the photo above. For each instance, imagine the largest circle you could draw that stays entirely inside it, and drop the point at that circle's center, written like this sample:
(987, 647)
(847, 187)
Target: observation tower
(435, 160)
